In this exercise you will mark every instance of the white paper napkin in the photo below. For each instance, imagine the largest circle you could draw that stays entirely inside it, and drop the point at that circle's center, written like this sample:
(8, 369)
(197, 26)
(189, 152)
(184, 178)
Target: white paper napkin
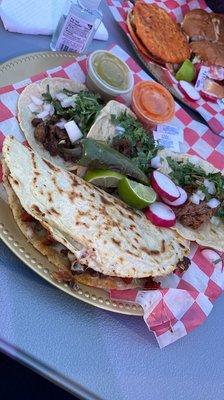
(36, 17)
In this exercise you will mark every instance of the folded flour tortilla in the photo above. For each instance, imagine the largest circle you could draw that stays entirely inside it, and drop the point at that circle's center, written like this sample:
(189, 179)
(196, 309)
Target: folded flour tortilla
(102, 232)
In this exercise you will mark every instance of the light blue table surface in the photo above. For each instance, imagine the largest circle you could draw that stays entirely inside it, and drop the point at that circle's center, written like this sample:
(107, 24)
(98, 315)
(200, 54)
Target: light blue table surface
(89, 351)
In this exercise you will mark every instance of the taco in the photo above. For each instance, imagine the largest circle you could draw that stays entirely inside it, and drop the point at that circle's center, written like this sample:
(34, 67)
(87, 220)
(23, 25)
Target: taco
(56, 111)
(201, 217)
(90, 236)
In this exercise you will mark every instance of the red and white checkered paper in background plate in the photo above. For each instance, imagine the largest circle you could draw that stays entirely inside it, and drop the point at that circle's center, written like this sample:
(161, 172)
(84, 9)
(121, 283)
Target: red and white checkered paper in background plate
(213, 113)
(184, 301)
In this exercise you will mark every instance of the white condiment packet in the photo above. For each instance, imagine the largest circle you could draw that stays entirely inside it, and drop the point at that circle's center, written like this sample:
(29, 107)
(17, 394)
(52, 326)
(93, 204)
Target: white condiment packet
(170, 137)
(203, 74)
(173, 131)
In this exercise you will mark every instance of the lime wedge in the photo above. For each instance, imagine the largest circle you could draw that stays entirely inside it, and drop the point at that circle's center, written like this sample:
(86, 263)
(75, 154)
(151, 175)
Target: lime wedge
(135, 194)
(186, 72)
(103, 178)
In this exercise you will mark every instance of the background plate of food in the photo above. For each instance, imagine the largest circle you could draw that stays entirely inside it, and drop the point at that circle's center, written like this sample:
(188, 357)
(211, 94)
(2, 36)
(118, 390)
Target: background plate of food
(182, 44)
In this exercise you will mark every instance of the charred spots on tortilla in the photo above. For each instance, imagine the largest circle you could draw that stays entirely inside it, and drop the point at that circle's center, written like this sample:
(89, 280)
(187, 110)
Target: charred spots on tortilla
(132, 227)
(82, 213)
(36, 209)
(150, 252)
(14, 181)
(163, 246)
(51, 166)
(116, 241)
(106, 201)
(33, 160)
(131, 217)
(92, 194)
(53, 211)
(49, 195)
(72, 195)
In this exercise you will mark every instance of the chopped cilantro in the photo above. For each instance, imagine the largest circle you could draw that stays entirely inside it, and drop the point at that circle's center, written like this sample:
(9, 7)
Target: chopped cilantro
(135, 142)
(87, 108)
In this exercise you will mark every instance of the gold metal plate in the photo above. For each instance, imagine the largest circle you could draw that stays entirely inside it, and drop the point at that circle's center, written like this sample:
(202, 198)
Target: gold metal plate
(13, 71)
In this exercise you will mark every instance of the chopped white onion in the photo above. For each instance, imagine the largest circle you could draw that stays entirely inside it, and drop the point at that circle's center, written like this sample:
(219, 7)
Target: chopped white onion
(49, 108)
(36, 100)
(43, 114)
(213, 203)
(73, 131)
(61, 123)
(210, 186)
(195, 199)
(119, 129)
(200, 194)
(68, 102)
(61, 96)
(34, 108)
(156, 162)
(215, 220)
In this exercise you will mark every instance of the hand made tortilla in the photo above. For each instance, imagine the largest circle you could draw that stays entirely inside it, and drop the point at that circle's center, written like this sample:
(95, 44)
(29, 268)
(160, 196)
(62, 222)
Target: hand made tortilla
(103, 128)
(25, 116)
(100, 230)
(207, 234)
(62, 271)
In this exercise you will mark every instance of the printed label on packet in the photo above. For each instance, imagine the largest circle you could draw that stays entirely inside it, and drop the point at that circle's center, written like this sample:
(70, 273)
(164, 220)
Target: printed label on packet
(74, 34)
(203, 74)
(169, 137)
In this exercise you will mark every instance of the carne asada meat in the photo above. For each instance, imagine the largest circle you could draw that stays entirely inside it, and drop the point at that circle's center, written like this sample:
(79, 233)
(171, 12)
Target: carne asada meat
(51, 135)
(184, 264)
(193, 215)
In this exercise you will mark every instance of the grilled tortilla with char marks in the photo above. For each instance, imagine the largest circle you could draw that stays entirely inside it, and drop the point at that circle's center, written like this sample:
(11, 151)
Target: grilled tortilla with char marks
(102, 232)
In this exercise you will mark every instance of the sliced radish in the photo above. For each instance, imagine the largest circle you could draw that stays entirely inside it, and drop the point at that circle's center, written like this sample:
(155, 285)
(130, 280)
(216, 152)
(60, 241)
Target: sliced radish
(208, 96)
(36, 100)
(181, 200)
(189, 91)
(160, 215)
(163, 185)
(43, 114)
(213, 257)
(213, 203)
(73, 131)
(34, 108)
(156, 162)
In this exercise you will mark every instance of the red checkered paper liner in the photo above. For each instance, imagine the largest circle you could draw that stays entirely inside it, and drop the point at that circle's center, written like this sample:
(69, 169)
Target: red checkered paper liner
(184, 302)
(211, 112)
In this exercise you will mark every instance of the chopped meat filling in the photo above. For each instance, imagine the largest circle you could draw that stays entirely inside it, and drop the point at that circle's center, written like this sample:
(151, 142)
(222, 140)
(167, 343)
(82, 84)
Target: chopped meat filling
(51, 135)
(194, 215)
(184, 264)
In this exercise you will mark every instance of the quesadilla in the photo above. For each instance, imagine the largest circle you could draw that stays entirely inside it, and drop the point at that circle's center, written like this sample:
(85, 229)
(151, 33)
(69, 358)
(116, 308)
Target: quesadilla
(56, 111)
(201, 217)
(90, 236)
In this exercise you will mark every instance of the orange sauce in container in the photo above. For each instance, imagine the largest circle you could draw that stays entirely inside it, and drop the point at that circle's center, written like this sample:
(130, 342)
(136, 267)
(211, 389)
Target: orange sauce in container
(152, 103)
